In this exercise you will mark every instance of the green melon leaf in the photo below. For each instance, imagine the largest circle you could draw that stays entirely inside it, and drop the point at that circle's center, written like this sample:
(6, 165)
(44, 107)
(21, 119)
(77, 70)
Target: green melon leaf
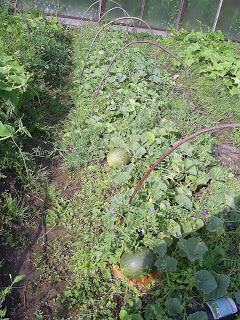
(6, 130)
(216, 200)
(193, 247)
(119, 200)
(200, 315)
(160, 248)
(151, 311)
(190, 167)
(215, 225)
(217, 173)
(184, 190)
(166, 263)
(184, 201)
(173, 294)
(124, 315)
(187, 149)
(174, 228)
(202, 179)
(140, 152)
(121, 178)
(222, 281)
(174, 306)
(205, 281)
(237, 296)
(135, 304)
(137, 317)
(190, 226)
(232, 199)
(156, 193)
(117, 142)
(188, 62)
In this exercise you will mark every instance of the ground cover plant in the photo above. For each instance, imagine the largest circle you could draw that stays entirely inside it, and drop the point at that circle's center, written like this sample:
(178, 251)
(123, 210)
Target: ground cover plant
(186, 213)
(32, 77)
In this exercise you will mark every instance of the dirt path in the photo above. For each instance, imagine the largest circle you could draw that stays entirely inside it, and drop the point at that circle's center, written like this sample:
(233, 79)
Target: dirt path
(37, 293)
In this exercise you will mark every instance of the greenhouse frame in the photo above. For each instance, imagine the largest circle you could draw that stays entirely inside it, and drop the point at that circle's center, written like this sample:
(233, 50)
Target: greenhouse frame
(221, 15)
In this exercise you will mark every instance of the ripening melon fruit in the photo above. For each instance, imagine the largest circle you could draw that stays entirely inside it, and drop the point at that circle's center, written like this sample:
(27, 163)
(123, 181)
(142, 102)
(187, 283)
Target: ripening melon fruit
(135, 265)
(118, 157)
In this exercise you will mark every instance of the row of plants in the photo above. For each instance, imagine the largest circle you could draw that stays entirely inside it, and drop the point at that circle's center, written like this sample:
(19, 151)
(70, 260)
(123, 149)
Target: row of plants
(186, 213)
(214, 78)
(27, 66)
(35, 59)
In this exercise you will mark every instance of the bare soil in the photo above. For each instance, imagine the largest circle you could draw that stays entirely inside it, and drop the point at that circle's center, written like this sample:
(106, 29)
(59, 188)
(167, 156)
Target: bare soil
(227, 154)
(39, 290)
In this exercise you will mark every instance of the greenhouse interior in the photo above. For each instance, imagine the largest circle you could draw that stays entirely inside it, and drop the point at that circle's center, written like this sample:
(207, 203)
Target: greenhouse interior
(159, 14)
(119, 159)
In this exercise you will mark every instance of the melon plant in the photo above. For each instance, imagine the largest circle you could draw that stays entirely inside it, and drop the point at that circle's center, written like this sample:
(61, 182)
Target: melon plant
(118, 157)
(136, 264)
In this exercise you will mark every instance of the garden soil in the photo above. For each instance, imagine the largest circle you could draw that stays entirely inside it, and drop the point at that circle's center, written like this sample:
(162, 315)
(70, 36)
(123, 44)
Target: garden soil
(38, 291)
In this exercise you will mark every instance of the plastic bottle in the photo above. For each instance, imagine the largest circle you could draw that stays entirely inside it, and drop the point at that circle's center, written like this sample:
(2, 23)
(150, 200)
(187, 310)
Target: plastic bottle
(225, 309)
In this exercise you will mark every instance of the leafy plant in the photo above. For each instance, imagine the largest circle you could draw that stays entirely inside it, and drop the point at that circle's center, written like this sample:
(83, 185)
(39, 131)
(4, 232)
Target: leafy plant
(215, 55)
(5, 292)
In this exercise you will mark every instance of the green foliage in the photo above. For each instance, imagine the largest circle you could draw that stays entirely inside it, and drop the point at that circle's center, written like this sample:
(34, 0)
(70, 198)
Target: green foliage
(205, 281)
(5, 292)
(177, 213)
(214, 54)
(27, 99)
(213, 285)
(13, 81)
(174, 306)
(166, 213)
(222, 281)
(200, 315)
(215, 225)
(193, 247)
(166, 263)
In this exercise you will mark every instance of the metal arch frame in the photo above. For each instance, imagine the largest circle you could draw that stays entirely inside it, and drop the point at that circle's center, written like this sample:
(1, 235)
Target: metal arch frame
(219, 127)
(27, 8)
(140, 42)
(182, 5)
(126, 14)
(19, 11)
(109, 23)
(101, 8)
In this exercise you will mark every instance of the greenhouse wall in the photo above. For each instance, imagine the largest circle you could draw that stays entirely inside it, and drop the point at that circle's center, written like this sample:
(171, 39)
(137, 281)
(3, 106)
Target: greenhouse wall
(160, 14)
